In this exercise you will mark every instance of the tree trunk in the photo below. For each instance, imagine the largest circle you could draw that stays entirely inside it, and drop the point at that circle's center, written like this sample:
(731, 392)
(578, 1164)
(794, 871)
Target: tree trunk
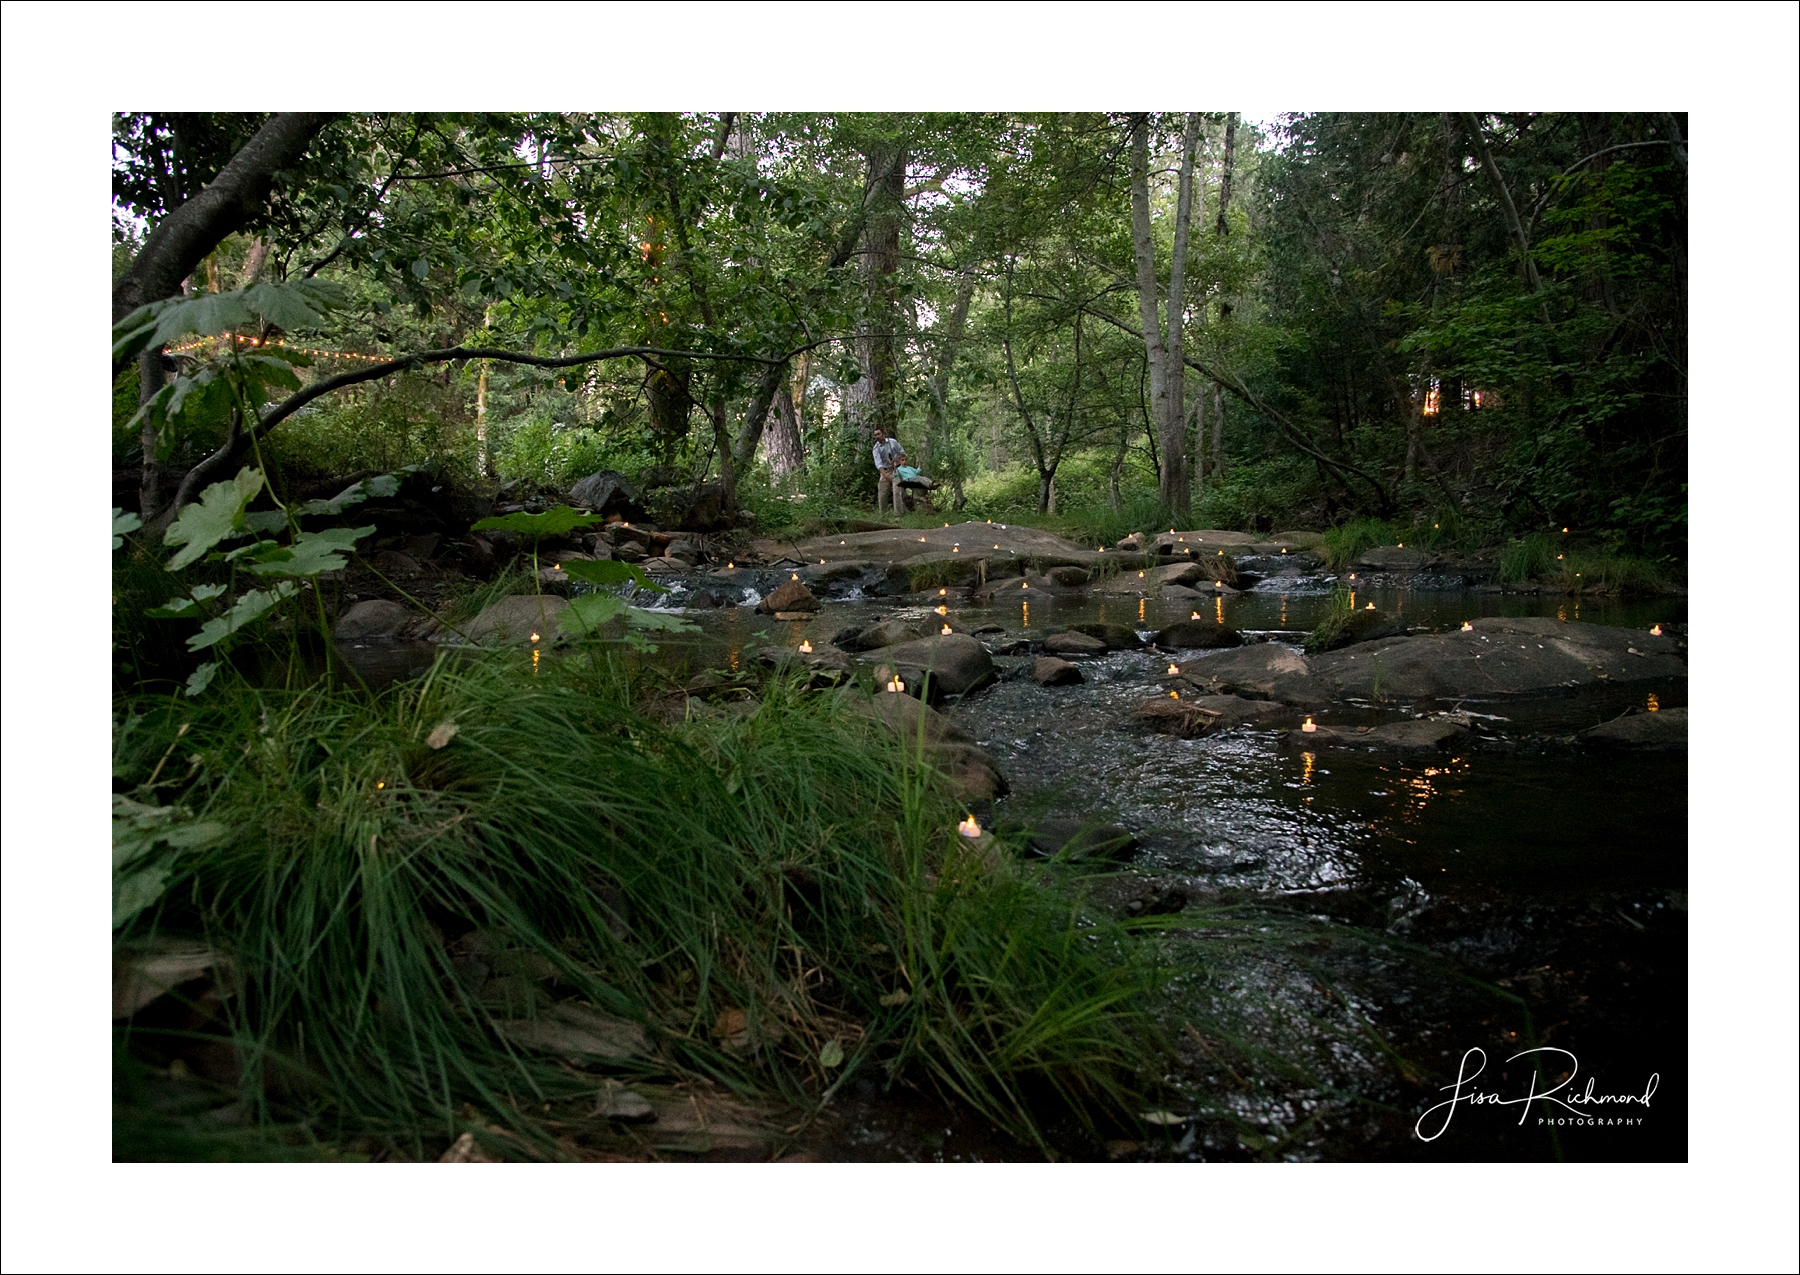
(938, 409)
(1221, 229)
(1175, 374)
(481, 448)
(787, 452)
(1144, 248)
(873, 398)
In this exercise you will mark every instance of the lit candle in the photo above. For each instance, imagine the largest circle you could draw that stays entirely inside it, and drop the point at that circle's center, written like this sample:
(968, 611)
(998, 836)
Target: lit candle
(1308, 726)
(794, 575)
(1174, 669)
(942, 593)
(969, 828)
(1656, 630)
(896, 685)
(1194, 616)
(534, 637)
(946, 631)
(1174, 694)
(731, 566)
(1370, 607)
(1467, 627)
(943, 610)
(1140, 575)
(805, 647)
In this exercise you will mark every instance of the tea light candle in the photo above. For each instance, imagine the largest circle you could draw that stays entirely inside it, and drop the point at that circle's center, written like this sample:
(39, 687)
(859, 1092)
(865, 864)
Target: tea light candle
(1308, 726)
(805, 647)
(969, 828)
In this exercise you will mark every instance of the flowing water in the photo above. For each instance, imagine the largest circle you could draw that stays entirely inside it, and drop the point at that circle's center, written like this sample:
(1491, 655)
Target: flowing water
(1520, 892)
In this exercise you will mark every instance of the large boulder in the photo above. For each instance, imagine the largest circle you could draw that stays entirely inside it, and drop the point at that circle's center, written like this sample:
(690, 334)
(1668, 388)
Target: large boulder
(377, 620)
(973, 773)
(1116, 636)
(607, 493)
(1666, 728)
(1074, 644)
(1366, 625)
(791, 596)
(1068, 576)
(1210, 714)
(514, 619)
(1499, 655)
(876, 636)
(953, 666)
(1262, 670)
(1432, 734)
(1050, 671)
(1203, 635)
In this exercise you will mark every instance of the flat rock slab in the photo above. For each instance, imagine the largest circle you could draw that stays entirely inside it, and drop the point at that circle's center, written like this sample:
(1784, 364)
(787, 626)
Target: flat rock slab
(1666, 728)
(1499, 656)
(1426, 735)
(905, 544)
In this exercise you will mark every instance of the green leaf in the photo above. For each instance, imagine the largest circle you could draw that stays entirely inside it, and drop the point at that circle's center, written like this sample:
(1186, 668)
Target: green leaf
(664, 621)
(213, 517)
(313, 552)
(380, 486)
(589, 612)
(122, 523)
(552, 522)
(832, 1055)
(201, 678)
(611, 573)
(137, 830)
(421, 268)
(242, 612)
(263, 520)
(174, 609)
(288, 306)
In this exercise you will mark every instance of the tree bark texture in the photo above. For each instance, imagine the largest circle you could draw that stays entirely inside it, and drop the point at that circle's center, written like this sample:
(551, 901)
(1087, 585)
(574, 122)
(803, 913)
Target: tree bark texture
(873, 398)
(1215, 463)
(1181, 498)
(1155, 352)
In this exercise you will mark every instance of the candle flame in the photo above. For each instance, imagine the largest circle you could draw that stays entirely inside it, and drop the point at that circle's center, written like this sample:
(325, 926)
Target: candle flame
(1370, 607)
(1656, 630)
(534, 637)
(942, 610)
(969, 828)
(805, 647)
(731, 566)
(943, 593)
(1467, 627)
(946, 631)
(896, 685)
(1194, 616)
(1174, 669)
(381, 783)
(794, 575)
(1308, 726)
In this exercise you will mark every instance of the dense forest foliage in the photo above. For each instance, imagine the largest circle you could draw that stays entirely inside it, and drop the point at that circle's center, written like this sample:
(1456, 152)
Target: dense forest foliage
(1470, 322)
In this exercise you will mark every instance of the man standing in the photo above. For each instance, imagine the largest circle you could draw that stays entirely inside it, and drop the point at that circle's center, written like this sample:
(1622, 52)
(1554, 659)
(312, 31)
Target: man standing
(888, 455)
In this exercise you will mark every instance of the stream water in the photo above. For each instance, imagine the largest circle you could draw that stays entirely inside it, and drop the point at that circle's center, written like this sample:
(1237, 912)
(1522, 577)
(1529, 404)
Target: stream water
(1519, 893)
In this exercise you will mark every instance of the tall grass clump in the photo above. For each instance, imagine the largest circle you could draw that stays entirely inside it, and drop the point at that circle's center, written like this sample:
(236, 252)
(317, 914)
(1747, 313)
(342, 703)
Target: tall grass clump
(774, 899)
(1530, 557)
(1344, 543)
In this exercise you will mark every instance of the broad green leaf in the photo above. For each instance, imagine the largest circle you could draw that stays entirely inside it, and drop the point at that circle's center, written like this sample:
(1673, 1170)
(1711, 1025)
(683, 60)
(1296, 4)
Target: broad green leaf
(135, 890)
(832, 1055)
(289, 306)
(201, 678)
(257, 549)
(263, 520)
(611, 573)
(243, 611)
(589, 612)
(313, 552)
(137, 829)
(213, 517)
(380, 486)
(552, 522)
(174, 609)
(122, 523)
(665, 621)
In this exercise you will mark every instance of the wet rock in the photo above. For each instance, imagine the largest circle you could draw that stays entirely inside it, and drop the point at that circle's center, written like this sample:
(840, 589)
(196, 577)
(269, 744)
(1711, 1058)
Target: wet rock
(1170, 715)
(514, 619)
(1234, 711)
(1666, 728)
(392, 562)
(791, 596)
(876, 636)
(1050, 671)
(1134, 543)
(624, 1106)
(1366, 625)
(833, 572)
(1179, 573)
(1203, 635)
(1116, 636)
(1069, 577)
(376, 620)
(1017, 646)
(1161, 900)
(629, 551)
(985, 629)
(954, 665)
(1428, 735)
(1126, 582)
(1076, 839)
(702, 600)
(973, 772)
(1262, 670)
(1073, 643)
